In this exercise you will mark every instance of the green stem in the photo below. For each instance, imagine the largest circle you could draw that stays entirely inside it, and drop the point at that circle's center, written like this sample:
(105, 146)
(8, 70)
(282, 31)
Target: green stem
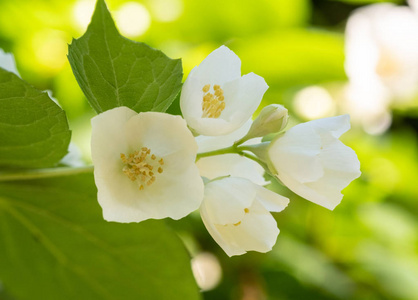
(43, 173)
(231, 149)
(260, 150)
(241, 140)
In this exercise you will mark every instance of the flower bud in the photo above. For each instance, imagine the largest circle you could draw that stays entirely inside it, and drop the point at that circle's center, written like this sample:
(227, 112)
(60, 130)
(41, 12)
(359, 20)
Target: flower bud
(272, 118)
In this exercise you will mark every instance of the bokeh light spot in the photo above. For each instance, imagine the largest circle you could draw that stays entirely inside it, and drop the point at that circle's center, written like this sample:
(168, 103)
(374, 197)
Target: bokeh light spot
(133, 19)
(82, 12)
(50, 49)
(166, 10)
(314, 102)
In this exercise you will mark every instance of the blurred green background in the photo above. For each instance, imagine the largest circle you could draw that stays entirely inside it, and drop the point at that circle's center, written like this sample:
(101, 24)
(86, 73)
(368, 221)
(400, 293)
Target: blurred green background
(368, 247)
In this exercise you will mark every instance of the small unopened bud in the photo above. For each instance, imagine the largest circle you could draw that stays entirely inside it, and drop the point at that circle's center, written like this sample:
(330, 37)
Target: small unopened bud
(272, 118)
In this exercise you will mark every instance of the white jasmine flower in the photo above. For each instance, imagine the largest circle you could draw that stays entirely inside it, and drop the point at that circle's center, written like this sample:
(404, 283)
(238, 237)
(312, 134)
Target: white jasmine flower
(368, 106)
(144, 166)
(311, 161)
(236, 212)
(231, 164)
(381, 47)
(215, 99)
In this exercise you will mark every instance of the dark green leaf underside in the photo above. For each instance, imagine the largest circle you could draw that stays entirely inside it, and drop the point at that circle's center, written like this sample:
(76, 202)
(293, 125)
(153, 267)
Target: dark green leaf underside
(56, 245)
(113, 71)
(34, 130)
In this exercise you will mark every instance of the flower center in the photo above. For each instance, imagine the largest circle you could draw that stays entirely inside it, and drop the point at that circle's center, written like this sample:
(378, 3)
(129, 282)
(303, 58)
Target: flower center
(213, 104)
(142, 166)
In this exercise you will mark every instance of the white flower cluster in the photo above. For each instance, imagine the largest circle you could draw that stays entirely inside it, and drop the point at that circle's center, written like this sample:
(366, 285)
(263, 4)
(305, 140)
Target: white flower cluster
(151, 166)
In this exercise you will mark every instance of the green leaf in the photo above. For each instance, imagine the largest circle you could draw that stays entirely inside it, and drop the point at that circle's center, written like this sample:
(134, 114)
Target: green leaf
(113, 71)
(33, 129)
(56, 245)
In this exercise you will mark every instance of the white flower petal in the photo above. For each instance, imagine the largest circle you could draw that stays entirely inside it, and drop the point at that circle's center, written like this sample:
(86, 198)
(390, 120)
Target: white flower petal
(210, 143)
(338, 157)
(109, 125)
(211, 126)
(191, 100)
(169, 196)
(163, 133)
(231, 164)
(226, 199)
(257, 232)
(244, 227)
(297, 152)
(222, 241)
(220, 66)
(336, 126)
(176, 192)
(118, 198)
(242, 97)
(271, 200)
(331, 169)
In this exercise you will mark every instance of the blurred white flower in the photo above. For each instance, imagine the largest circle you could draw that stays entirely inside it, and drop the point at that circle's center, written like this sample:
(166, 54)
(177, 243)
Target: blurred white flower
(73, 157)
(414, 5)
(7, 62)
(382, 48)
(215, 99)
(236, 212)
(368, 106)
(311, 161)
(144, 166)
(207, 270)
(231, 164)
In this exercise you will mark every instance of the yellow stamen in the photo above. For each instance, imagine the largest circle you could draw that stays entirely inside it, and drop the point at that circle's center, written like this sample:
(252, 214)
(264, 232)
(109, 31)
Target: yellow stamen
(206, 88)
(236, 224)
(213, 104)
(138, 166)
(246, 210)
(219, 92)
